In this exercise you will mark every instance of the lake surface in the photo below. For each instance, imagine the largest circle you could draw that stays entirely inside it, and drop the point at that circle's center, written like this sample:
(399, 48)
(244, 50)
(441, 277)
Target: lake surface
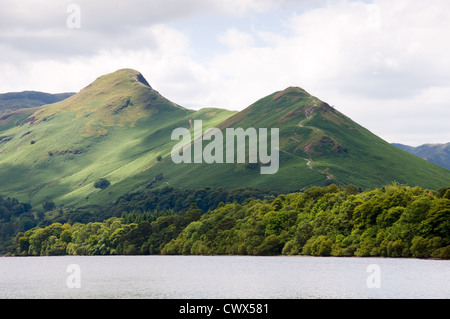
(195, 277)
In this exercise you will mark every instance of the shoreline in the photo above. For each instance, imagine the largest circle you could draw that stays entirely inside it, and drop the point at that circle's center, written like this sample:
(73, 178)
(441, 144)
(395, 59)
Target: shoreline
(241, 256)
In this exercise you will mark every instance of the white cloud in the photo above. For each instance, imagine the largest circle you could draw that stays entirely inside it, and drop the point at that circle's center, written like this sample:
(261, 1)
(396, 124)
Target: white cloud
(236, 39)
(384, 64)
(377, 69)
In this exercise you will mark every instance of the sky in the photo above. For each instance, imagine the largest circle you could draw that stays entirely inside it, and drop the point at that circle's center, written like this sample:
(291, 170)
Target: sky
(383, 63)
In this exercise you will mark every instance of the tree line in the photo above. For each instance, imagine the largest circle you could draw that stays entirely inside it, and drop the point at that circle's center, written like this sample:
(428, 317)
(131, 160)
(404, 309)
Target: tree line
(16, 217)
(393, 221)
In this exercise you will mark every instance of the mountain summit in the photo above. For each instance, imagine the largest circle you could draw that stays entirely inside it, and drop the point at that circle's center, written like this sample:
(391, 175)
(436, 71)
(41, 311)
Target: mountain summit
(120, 129)
(118, 98)
(121, 77)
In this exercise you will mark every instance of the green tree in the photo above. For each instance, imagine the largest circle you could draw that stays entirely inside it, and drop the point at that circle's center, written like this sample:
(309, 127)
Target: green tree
(320, 246)
(48, 205)
(102, 183)
(270, 246)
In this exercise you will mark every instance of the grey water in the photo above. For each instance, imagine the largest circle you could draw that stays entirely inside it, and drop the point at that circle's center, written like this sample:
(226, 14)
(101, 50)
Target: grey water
(202, 277)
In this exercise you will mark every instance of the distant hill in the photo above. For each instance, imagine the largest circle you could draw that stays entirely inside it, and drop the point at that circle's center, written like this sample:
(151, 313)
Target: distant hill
(434, 153)
(10, 102)
(119, 128)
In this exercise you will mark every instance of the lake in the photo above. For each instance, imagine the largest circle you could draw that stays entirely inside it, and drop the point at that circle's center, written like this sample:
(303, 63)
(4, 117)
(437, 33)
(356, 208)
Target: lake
(201, 277)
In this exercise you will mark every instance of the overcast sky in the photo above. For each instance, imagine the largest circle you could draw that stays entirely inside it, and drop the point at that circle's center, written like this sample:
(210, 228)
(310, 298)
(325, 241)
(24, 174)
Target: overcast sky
(383, 63)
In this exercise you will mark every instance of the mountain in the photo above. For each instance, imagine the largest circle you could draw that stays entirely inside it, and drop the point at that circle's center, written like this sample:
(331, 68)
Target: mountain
(116, 127)
(318, 146)
(10, 102)
(120, 129)
(434, 153)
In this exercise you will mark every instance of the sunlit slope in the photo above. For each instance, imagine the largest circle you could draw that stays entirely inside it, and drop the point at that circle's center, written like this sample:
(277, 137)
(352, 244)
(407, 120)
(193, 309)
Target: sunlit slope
(119, 128)
(116, 128)
(318, 146)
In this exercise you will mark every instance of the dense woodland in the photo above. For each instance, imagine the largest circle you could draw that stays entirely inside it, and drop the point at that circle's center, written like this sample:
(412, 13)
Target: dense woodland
(16, 217)
(394, 221)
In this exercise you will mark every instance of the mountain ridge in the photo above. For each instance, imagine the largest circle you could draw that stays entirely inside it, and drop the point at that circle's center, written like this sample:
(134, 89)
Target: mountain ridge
(435, 153)
(120, 97)
(119, 128)
(320, 145)
(14, 101)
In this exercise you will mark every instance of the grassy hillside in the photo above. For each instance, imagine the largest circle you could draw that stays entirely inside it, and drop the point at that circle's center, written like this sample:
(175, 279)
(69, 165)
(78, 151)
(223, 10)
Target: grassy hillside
(119, 128)
(318, 146)
(115, 128)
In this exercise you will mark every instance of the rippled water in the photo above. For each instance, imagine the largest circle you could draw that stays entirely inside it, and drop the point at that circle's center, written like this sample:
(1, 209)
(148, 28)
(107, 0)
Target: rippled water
(175, 277)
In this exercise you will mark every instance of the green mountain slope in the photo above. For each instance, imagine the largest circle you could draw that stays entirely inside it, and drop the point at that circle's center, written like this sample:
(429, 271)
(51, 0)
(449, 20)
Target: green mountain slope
(115, 128)
(318, 146)
(119, 128)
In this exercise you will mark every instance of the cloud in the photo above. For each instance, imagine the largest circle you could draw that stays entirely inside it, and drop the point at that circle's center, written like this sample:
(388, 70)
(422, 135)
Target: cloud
(402, 52)
(384, 64)
(116, 15)
(71, 72)
(236, 39)
(381, 64)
